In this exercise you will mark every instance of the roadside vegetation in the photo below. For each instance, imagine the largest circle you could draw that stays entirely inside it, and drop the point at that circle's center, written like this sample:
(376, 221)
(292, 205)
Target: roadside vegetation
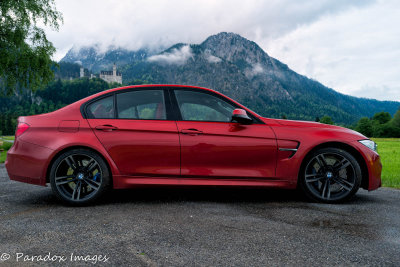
(3, 155)
(4, 147)
(381, 125)
(389, 150)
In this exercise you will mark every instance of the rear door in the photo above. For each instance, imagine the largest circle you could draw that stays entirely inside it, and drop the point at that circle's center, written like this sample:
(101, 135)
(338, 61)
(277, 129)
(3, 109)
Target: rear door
(135, 128)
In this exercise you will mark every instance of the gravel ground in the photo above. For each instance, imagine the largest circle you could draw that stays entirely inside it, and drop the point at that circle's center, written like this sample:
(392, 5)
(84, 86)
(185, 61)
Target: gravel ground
(189, 226)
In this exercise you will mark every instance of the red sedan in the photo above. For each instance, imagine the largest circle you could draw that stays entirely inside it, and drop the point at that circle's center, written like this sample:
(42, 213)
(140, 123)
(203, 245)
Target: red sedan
(184, 135)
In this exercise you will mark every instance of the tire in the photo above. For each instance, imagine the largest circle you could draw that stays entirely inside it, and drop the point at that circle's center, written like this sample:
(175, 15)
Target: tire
(330, 175)
(79, 177)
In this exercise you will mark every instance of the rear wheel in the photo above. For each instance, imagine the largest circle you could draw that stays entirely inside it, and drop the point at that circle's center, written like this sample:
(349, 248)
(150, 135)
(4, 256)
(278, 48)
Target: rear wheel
(330, 175)
(79, 177)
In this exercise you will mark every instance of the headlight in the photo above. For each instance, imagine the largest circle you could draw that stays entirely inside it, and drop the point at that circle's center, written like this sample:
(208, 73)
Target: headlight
(370, 144)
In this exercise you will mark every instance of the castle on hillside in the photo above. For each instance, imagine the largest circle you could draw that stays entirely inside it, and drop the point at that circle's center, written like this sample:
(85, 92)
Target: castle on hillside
(108, 76)
(111, 76)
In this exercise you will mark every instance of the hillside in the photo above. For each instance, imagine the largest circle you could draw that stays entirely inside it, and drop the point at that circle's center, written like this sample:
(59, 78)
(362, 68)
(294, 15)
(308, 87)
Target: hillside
(240, 69)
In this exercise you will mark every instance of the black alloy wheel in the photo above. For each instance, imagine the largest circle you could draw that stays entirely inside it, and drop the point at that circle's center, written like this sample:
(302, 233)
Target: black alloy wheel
(330, 175)
(79, 176)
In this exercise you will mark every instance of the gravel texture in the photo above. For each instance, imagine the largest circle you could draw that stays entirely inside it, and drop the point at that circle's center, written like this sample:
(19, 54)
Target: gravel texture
(186, 226)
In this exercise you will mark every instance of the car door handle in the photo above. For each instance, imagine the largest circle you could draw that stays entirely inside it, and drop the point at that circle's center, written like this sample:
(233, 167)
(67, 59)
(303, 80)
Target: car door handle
(191, 131)
(106, 128)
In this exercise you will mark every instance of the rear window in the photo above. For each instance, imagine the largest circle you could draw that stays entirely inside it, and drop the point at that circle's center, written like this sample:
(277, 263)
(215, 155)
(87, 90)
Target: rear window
(101, 109)
(142, 105)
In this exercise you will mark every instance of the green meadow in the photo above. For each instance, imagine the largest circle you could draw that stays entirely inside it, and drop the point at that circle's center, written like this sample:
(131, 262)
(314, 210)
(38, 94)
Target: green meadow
(4, 146)
(389, 150)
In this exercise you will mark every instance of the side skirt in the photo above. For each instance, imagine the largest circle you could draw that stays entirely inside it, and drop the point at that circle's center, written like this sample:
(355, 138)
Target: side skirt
(121, 182)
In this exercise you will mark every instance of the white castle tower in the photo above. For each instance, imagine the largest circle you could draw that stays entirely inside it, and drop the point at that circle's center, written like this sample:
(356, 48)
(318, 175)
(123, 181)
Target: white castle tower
(111, 76)
(82, 73)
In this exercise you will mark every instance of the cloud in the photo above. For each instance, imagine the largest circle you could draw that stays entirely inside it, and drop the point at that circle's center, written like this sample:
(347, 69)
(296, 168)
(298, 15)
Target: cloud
(347, 45)
(176, 56)
(355, 52)
(142, 23)
(255, 70)
(211, 58)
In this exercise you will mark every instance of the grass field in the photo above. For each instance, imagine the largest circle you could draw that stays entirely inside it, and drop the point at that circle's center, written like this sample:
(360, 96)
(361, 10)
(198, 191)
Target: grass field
(388, 149)
(5, 146)
(3, 155)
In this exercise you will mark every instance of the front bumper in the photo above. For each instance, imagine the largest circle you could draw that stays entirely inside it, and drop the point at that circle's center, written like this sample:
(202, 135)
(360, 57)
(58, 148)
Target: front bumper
(374, 166)
(27, 162)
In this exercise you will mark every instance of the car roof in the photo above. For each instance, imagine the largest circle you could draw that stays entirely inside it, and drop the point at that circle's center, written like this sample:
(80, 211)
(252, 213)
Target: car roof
(175, 86)
(81, 103)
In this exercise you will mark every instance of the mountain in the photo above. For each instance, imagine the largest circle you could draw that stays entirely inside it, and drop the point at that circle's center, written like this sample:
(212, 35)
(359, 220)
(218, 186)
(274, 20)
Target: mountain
(240, 69)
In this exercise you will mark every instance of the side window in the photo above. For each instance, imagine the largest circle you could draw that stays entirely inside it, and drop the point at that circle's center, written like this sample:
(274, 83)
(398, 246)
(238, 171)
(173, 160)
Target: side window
(197, 106)
(141, 105)
(101, 109)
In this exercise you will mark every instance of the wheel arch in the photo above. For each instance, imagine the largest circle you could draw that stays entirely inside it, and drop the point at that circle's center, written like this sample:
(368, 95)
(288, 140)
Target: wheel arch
(346, 147)
(77, 147)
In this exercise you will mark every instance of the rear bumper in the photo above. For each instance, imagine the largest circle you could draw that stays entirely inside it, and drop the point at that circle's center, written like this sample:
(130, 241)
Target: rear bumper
(26, 162)
(374, 166)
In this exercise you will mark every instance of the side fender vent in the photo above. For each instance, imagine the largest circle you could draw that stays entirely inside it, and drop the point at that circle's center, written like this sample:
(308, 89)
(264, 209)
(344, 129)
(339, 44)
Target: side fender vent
(287, 148)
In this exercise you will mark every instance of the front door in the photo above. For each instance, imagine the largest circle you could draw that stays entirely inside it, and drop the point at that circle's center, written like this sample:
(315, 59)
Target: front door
(137, 134)
(212, 146)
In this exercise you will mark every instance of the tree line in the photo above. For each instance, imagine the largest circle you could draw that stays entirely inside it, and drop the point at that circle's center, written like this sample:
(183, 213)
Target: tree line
(55, 95)
(60, 93)
(382, 125)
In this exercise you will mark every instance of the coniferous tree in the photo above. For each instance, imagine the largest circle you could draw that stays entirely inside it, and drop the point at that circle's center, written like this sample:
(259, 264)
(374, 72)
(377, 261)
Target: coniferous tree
(364, 126)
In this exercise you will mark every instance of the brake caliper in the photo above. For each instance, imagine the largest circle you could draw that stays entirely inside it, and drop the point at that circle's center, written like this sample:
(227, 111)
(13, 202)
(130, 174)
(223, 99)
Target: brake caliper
(97, 175)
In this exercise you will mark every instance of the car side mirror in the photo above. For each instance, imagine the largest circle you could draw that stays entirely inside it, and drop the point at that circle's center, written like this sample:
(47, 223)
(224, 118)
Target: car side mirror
(240, 115)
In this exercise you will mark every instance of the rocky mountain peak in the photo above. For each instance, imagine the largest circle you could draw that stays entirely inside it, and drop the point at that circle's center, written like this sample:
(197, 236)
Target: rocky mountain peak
(235, 48)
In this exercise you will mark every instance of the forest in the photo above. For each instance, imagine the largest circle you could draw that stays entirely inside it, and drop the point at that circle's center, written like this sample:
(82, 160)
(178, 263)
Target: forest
(62, 92)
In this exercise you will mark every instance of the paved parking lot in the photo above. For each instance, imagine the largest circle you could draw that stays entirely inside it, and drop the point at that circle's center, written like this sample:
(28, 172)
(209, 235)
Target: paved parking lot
(198, 226)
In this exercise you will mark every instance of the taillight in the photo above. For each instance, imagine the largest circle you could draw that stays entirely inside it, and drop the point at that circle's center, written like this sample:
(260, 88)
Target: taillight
(21, 128)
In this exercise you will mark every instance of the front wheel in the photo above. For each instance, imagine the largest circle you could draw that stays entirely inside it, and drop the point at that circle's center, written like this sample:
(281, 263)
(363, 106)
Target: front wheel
(79, 177)
(330, 175)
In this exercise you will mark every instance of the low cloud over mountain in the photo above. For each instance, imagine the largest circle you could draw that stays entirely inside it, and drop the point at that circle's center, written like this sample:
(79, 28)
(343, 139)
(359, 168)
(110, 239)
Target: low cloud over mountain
(238, 68)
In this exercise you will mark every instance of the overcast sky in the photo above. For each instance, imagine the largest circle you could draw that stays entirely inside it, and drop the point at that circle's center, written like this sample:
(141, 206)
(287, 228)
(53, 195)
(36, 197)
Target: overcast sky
(350, 46)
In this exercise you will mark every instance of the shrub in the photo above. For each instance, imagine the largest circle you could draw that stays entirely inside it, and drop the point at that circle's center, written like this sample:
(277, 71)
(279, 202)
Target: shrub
(326, 120)
(364, 126)
(6, 145)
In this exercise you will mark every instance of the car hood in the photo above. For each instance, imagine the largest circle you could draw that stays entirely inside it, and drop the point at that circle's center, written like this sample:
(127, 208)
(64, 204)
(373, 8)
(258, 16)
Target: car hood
(312, 124)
